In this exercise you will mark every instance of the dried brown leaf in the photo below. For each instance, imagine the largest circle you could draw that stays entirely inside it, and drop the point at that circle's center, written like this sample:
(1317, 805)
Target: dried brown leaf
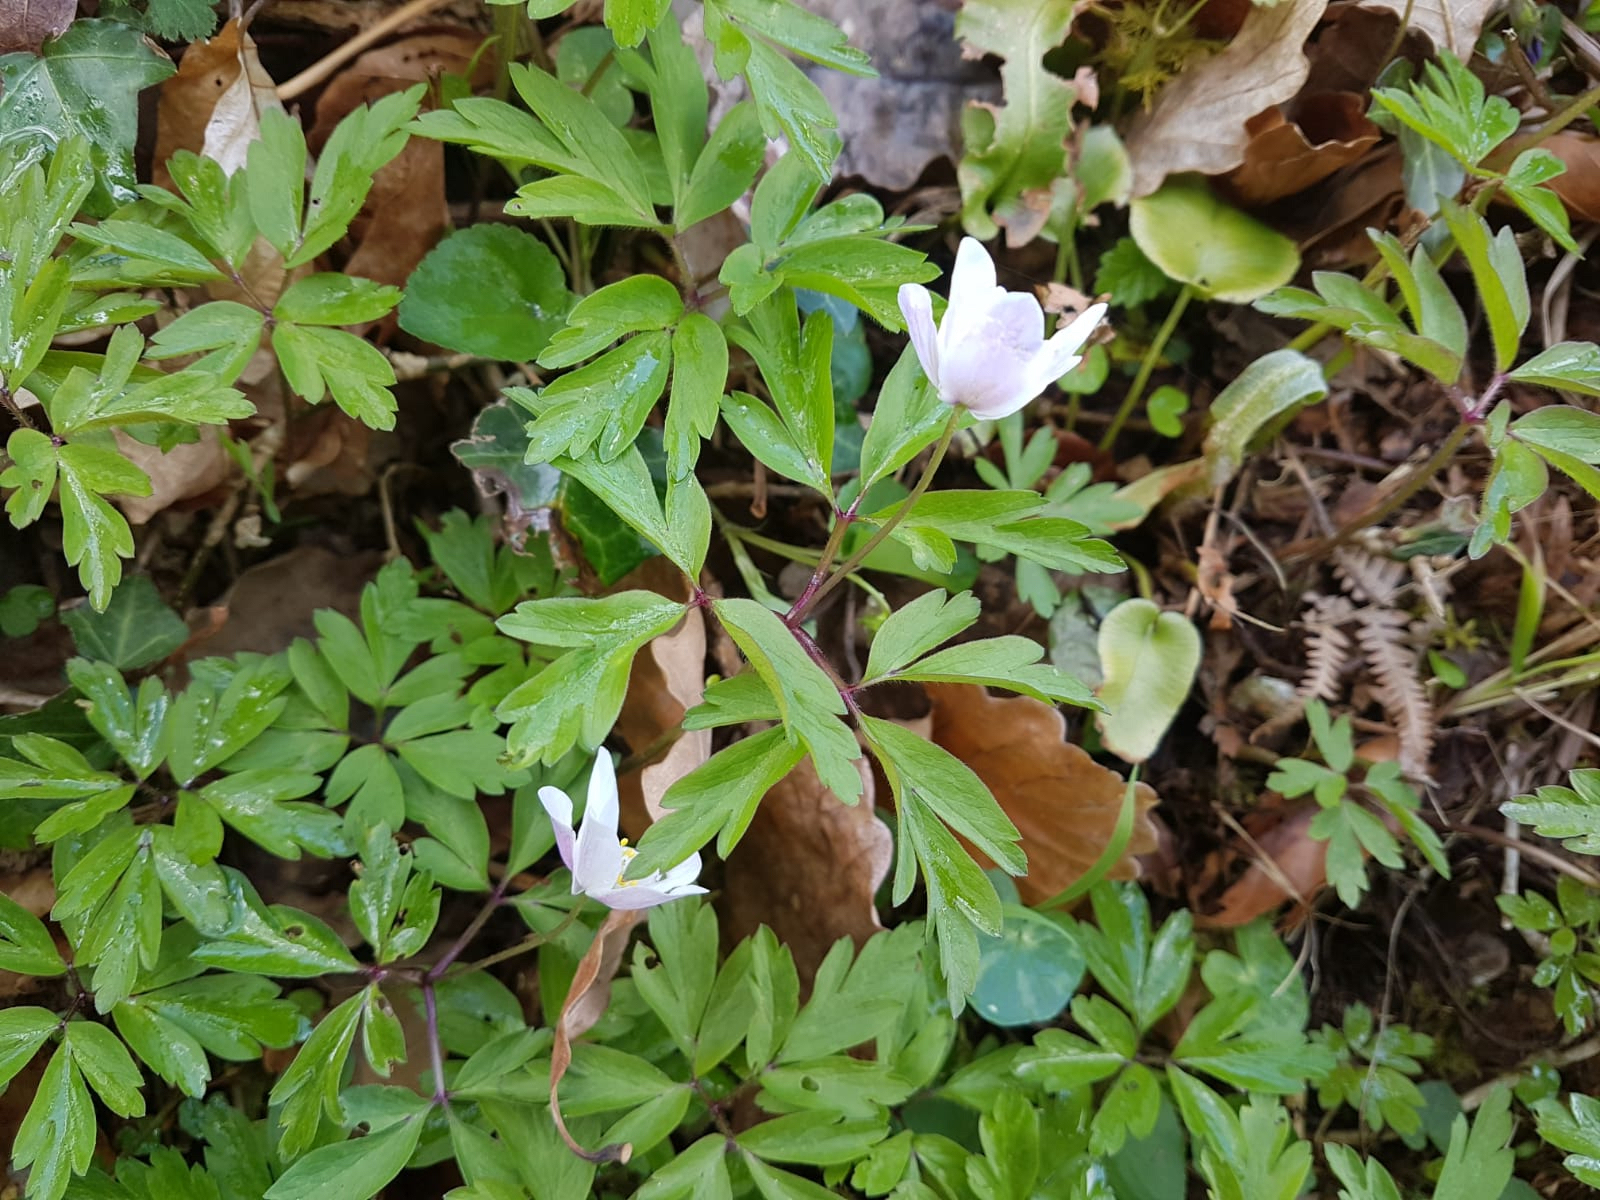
(1286, 156)
(188, 470)
(25, 24)
(586, 1003)
(1199, 119)
(809, 867)
(1063, 802)
(1452, 25)
(213, 104)
(1287, 863)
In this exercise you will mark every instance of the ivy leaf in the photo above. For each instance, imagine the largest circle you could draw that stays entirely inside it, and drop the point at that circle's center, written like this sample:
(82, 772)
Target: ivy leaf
(1017, 151)
(135, 629)
(84, 83)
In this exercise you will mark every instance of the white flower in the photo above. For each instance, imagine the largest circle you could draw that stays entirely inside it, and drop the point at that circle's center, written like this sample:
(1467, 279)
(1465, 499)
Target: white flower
(598, 859)
(990, 355)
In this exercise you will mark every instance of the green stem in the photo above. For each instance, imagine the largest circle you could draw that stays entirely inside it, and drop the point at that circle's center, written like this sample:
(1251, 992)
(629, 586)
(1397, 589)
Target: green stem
(811, 598)
(1146, 366)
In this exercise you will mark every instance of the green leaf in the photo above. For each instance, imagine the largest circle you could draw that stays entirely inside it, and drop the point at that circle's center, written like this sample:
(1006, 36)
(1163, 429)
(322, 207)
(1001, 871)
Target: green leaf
(1567, 431)
(1016, 151)
(220, 714)
(226, 333)
(1575, 1130)
(83, 83)
(167, 257)
(329, 299)
(496, 452)
(1257, 402)
(318, 361)
(1500, 276)
(1029, 973)
(364, 141)
(700, 369)
(490, 290)
(1148, 659)
(808, 702)
(1557, 812)
(1566, 366)
(577, 697)
(812, 1138)
(1128, 276)
(107, 1066)
(718, 798)
(949, 788)
(1479, 1162)
(1214, 248)
(354, 1170)
(911, 631)
(725, 167)
(56, 1137)
(908, 416)
(1003, 662)
(24, 607)
(22, 1032)
(26, 946)
(279, 941)
(310, 1086)
(1145, 975)
(1527, 172)
(135, 629)
(1448, 106)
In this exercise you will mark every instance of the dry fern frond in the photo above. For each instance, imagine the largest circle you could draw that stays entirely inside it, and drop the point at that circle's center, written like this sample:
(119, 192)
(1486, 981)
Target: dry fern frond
(1382, 635)
(1327, 647)
(1367, 577)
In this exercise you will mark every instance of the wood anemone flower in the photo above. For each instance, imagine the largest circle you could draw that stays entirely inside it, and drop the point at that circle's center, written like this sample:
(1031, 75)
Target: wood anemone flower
(990, 354)
(598, 859)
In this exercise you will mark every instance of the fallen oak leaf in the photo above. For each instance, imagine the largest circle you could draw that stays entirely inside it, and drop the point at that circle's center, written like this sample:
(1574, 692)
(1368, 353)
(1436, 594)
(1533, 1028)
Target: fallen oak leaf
(585, 1004)
(1287, 155)
(1063, 803)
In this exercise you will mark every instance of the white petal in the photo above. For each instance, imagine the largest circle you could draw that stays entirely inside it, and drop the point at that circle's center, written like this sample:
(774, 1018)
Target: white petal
(916, 306)
(681, 876)
(973, 292)
(558, 806)
(599, 853)
(989, 372)
(642, 896)
(1061, 353)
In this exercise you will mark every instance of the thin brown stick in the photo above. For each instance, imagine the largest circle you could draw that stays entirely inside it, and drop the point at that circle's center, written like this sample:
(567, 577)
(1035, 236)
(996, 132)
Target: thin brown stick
(324, 67)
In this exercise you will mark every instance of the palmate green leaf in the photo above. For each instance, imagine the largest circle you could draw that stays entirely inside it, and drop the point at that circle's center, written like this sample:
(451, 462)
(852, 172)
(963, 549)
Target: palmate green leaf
(95, 536)
(1145, 975)
(916, 628)
(1253, 1154)
(135, 629)
(309, 1088)
(577, 697)
(808, 701)
(260, 805)
(603, 404)
(231, 1016)
(1479, 1161)
(84, 84)
(490, 290)
(1449, 107)
(223, 709)
(318, 361)
(55, 770)
(1017, 150)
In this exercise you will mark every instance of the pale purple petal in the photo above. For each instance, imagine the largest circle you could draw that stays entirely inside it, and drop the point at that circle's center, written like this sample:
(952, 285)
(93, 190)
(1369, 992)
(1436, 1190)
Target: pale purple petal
(973, 292)
(599, 853)
(558, 807)
(989, 371)
(916, 305)
(1061, 353)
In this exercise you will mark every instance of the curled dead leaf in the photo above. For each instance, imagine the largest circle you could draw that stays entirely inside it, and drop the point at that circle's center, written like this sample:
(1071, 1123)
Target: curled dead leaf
(213, 104)
(1063, 802)
(808, 867)
(1287, 154)
(1199, 119)
(586, 1003)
